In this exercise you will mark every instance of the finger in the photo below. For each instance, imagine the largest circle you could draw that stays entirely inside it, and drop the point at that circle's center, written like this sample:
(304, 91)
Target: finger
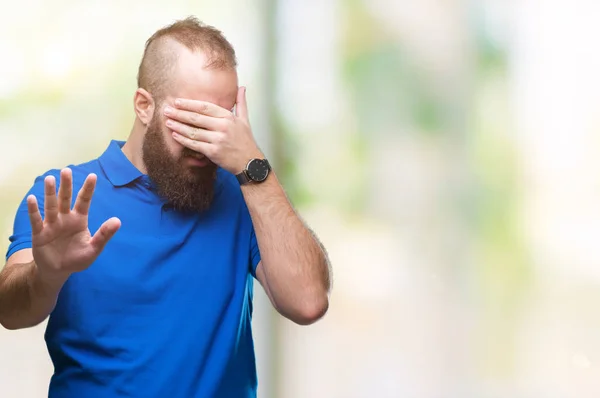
(50, 201)
(202, 107)
(105, 233)
(84, 197)
(190, 132)
(205, 148)
(241, 106)
(65, 191)
(35, 218)
(194, 119)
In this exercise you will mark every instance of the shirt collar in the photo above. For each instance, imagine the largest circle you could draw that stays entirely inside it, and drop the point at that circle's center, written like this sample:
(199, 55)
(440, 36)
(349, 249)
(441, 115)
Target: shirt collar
(116, 166)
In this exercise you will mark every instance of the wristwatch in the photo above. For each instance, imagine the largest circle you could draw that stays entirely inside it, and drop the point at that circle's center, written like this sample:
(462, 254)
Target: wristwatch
(257, 170)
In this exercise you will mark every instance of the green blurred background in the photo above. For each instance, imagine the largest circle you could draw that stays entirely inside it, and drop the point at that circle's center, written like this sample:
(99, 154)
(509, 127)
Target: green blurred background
(445, 151)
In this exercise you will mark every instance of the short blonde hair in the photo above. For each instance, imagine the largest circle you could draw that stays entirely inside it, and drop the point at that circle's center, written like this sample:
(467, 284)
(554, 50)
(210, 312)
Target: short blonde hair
(159, 58)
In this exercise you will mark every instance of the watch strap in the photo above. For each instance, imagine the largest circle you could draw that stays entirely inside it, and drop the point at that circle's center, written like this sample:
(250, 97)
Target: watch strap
(243, 178)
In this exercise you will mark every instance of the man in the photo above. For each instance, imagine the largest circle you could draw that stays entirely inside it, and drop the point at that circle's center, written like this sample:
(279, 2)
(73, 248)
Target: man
(158, 301)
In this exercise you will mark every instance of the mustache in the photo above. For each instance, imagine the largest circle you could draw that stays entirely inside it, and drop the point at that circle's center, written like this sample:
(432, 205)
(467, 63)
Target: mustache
(188, 153)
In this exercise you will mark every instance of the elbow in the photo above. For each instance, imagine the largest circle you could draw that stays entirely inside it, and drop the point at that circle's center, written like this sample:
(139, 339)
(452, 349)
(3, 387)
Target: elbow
(311, 312)
(8, 325)
(16, 324)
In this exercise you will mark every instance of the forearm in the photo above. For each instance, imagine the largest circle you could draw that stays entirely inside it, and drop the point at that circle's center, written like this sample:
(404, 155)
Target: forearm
(26, 299)
(294, 263)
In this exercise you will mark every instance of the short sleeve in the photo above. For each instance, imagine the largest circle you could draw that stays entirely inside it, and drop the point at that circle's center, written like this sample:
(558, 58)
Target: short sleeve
(21, 234)
(230, 191)
(254, 253)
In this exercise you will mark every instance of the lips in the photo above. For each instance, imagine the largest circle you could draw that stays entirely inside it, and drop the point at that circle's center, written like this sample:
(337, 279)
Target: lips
(199, 161)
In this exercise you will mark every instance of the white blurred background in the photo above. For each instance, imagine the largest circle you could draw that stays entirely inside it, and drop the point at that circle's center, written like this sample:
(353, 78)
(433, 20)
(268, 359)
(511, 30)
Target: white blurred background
(447, 152)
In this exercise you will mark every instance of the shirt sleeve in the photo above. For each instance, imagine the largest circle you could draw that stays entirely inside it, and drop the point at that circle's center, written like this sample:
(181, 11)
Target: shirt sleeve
(254, 253)
(21, 234)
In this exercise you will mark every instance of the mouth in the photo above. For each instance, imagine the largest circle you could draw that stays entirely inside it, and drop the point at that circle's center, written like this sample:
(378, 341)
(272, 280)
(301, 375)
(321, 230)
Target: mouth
(197, 161)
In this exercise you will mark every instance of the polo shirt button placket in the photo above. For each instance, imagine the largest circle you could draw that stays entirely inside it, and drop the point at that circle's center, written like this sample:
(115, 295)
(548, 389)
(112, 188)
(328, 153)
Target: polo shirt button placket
(169, 221)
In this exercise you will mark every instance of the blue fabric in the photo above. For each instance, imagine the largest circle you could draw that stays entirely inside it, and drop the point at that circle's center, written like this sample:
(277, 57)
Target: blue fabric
(165, 311)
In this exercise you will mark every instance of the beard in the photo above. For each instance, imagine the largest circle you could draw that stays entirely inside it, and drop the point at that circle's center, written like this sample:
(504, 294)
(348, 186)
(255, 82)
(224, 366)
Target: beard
(186, 188)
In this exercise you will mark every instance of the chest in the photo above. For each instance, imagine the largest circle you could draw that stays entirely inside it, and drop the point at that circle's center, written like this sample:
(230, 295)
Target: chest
(162, 257)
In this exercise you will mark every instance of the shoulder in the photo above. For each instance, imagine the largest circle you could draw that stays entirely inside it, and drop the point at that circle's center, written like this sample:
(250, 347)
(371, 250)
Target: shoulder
(82, 170)
(228, 192)
(79, 172)
(227, 185)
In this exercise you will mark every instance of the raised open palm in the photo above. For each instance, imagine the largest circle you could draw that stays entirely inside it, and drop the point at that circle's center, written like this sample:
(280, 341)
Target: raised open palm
(61, 242)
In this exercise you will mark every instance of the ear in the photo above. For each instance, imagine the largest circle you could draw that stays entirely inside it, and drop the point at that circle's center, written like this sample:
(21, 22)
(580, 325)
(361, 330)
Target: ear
(143, 104)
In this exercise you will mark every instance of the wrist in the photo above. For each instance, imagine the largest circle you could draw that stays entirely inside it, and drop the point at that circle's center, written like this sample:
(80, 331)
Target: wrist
(47, 280)
(257, 193)
(256, 170)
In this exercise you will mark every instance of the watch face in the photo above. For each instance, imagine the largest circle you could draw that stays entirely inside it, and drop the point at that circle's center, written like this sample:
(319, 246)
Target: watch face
(258, 170)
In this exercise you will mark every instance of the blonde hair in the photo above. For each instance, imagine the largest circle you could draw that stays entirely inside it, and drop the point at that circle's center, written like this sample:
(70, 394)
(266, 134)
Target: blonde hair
(160, 58)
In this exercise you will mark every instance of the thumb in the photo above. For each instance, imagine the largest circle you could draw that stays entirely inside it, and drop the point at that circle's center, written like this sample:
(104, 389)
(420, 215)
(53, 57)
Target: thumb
(241, 107)
(104, 233)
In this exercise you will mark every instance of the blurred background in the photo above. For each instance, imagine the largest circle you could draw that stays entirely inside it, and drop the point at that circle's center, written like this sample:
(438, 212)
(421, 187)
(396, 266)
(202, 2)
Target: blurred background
(447, 153)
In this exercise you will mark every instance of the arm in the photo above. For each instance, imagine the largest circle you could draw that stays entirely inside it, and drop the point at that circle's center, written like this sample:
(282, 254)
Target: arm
(294, 268)
(61, 244)
(26, 299)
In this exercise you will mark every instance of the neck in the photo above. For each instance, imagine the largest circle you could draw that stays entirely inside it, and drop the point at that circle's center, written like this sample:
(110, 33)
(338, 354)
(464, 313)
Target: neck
(133, 147)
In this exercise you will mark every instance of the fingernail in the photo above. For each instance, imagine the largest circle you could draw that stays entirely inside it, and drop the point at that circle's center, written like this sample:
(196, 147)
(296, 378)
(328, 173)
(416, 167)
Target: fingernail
(177, 102)
(169, 123)
(168, 110)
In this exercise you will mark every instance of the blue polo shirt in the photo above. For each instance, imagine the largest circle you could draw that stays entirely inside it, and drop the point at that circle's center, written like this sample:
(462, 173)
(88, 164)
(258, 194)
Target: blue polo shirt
(165, 310)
